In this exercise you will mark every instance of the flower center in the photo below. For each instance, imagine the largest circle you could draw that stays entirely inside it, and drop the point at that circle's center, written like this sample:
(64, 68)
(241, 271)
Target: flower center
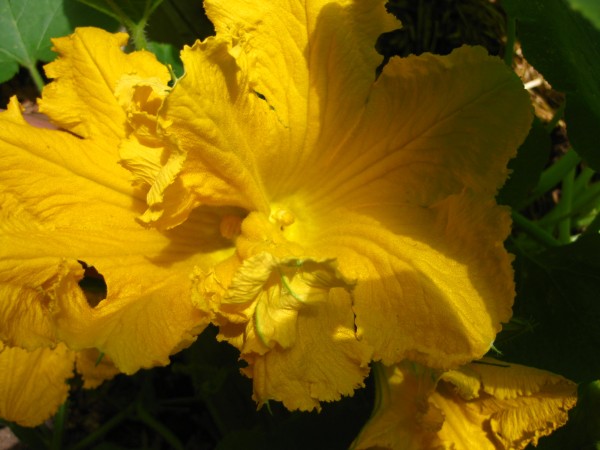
(281, 217)
(230, 226)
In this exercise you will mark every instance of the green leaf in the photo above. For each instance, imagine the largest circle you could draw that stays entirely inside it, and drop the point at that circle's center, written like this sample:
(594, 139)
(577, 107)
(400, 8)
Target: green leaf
(133, 14)
(80, 15)
(558, 291)
(168, 55)
(590, 9)
(527, 167)
(135, 11)
(565, 47)
(26, 27)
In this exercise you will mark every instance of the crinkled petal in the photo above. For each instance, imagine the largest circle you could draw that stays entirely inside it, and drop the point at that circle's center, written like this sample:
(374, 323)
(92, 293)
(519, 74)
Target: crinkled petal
(214, 126)
(453, 121)
(33, 384)
(68, 205)
(405, 202)
(141, 98)
(394, 178)
(418, 269)
(531, 403)
(256, 98)
(325, 362)
(290, 316)
(86, 73)
(515, 406)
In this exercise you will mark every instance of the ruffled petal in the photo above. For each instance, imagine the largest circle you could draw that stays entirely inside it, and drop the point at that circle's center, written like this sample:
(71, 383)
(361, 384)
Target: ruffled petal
(405, 202)
(418, 269)
(325, 362)
(453, 121)
(67, 207)
(394, 178)
(290, 317)
(33, 384)
(487, 405)
(515, 404)
(86, 73)
(213, 126)
(256, 98)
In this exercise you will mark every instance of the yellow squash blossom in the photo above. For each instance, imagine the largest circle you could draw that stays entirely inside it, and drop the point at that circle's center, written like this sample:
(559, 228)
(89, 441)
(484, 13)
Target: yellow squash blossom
(68, 213)
(367, 226)
(485, 405)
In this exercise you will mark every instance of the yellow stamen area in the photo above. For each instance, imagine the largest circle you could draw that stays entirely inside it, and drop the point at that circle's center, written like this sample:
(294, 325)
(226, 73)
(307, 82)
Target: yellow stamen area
(282, 217)
(230, 226)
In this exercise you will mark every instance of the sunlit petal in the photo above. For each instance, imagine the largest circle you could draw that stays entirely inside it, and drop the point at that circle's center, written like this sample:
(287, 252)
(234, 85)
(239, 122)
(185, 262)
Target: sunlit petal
(68, 208)
(90, 64)
(94, 367)
(244, 120)
(33, 384)
(290, 317)
(486, 405)
(514, 407)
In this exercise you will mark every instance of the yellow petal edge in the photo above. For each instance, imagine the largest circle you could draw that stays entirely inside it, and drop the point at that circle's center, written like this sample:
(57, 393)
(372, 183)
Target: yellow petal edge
(487, 405)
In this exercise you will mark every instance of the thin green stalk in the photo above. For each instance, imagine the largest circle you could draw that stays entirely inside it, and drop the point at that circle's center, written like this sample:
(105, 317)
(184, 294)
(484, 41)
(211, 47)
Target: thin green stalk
(138, 35)
(511, 28)
(582, 203)
(125, 20)
(565, 206)
(97, 434)
(36, 77)
(536, 233)
(583, 180)
(554, 174)
(150, 9)
(594, 227)
(382, 394)
(136, 30)
(216, 416)
(100, 7)
(59, 426)
(146, 418)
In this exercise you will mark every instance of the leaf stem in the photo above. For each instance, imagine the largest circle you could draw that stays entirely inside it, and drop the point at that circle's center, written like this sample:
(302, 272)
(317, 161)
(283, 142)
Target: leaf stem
(167, 435)
(138, 34)
(583, 202)
(535, 232)
(594, 227)
(565, 206)
(36, 77)
(100, 432)
(59, 426)
(554, 174)
(382, 395)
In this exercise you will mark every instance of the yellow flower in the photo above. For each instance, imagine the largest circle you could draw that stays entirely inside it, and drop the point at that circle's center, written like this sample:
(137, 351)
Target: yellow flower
(68, 214)
(485, 405)
(366, 224)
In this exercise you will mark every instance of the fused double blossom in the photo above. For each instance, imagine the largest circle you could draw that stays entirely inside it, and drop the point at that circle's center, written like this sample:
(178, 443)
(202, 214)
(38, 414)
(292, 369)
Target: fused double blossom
(322, 217)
